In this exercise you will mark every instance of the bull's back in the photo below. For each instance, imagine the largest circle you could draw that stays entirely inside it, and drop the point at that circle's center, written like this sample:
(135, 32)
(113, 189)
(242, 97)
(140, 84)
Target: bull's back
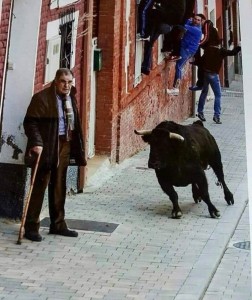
(201, 141)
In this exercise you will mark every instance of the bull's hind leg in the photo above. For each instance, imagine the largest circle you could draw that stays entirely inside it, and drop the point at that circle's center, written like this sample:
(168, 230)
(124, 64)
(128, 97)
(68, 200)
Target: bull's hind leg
(170, 191)
(218, 170)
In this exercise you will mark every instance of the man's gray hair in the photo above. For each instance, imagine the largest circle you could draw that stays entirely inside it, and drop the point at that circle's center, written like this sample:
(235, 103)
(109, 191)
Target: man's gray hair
(62, 71)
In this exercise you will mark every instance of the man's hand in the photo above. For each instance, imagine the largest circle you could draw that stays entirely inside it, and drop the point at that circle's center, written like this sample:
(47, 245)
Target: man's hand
(35, 150)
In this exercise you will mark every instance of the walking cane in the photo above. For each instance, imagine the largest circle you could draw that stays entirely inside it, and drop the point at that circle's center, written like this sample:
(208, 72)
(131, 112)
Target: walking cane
(27, 201)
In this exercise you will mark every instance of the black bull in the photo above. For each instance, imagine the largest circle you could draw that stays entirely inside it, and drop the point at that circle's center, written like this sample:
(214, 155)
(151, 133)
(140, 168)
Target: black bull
(180, 154)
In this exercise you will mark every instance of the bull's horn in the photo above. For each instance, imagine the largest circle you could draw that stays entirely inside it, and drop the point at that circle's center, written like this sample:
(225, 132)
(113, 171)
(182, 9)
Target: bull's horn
(143, 132)
(176, 136)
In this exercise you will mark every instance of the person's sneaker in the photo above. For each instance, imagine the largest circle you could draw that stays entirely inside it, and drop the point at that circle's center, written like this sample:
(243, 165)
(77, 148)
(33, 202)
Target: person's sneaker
(201, 117)
(142, 38)
(173, 91)
(173, 58)
(217, 120)
(195, 88)
(64, 232)
(33, 236)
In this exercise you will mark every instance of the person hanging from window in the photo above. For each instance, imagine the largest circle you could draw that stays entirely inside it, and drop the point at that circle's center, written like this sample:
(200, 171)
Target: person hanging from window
(189, 46)
(172, 40)
(162, 17)
(211, 64)
(144, 8)
(210, 36)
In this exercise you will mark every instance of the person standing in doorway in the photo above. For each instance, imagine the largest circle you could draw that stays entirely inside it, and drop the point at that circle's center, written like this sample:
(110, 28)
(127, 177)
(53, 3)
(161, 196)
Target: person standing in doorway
(53, 128)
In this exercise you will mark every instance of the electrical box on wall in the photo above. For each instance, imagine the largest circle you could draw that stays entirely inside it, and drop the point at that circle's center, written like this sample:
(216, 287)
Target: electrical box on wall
(97, 59)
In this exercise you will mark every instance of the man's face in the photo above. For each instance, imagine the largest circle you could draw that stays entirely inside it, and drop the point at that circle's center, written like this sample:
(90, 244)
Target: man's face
(197, 20)
(63, 84)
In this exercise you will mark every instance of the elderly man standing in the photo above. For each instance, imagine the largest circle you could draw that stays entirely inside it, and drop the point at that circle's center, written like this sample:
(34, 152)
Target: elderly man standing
(189, 46)
(53, 128)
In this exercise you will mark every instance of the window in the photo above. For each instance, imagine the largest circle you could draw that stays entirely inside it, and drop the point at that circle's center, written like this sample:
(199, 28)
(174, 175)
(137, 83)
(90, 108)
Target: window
(66, 32)
(61, 41)
(138, 52)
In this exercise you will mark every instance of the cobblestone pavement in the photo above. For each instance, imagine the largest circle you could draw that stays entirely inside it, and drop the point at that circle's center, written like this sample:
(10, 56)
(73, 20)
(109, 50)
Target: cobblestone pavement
(149, 256)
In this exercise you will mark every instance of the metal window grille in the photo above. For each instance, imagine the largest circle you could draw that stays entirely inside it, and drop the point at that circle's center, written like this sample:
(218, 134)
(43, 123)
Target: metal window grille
(66, 33)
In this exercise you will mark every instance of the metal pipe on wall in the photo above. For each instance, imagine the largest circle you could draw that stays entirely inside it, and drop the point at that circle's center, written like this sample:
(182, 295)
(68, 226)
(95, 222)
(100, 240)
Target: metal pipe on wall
(86, 69)
(225, 39)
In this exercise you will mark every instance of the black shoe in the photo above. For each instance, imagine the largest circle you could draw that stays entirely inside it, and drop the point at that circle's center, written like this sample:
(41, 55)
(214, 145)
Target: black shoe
(201, 117)
(195, 88)
(33, 236)
(64, 232)
(217, 120)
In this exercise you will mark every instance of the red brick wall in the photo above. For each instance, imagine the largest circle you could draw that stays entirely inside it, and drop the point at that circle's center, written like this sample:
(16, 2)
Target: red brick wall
(108, 77)
(4, 27)
(150, 107)
(121, 108)
(48, 15)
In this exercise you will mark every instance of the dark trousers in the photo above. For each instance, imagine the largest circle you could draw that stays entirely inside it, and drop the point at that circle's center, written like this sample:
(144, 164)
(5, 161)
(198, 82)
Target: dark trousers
(55, 179)
(158, 29)
(144, 9)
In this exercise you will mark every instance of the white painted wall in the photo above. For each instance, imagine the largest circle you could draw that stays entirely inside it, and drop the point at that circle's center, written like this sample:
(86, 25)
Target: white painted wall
(61, 3)
(20, 74)
(246, 44)
(1, 3)
(200, 6)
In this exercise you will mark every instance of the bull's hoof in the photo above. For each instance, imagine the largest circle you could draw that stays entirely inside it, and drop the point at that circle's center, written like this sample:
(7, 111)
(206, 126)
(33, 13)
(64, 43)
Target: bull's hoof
(197, 200)
(214, 214)
(176, 214)
(230, 200)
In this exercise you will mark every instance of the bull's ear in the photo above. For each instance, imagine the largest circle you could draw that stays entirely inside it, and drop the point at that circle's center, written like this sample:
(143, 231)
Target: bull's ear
(146, 138)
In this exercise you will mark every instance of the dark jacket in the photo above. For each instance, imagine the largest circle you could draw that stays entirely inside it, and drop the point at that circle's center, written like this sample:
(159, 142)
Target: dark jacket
(213, 57)
(172, 12)
(41, 125)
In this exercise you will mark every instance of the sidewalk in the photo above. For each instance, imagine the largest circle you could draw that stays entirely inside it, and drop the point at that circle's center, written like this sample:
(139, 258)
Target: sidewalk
(149, 256)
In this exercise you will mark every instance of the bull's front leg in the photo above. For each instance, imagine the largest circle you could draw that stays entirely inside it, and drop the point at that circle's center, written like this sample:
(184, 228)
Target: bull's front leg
(203, 191)
(196, 193)
(170, 191)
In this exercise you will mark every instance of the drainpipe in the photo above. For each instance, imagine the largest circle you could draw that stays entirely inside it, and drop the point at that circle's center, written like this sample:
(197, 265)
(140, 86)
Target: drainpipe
(193, 93)
(6, 64)
(86, 71)
(225, 39)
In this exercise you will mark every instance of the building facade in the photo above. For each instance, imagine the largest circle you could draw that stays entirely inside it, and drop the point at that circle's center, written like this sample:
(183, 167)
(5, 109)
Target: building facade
(97, 40)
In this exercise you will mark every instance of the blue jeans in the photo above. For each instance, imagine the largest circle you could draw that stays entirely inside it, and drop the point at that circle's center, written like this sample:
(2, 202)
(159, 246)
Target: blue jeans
(185, 56)
(143, 11)
(214, 80)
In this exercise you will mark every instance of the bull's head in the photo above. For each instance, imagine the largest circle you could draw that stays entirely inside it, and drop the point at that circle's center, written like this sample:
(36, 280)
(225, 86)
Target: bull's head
(164, 146)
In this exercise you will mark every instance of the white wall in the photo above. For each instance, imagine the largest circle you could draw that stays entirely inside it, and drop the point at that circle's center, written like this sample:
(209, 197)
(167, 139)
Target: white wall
(61, 3)
(1, 3)
(20, 75)
(246, 44)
